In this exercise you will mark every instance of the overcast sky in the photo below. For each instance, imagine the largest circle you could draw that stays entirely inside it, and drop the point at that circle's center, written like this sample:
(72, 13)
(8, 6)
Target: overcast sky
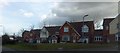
(15, 15)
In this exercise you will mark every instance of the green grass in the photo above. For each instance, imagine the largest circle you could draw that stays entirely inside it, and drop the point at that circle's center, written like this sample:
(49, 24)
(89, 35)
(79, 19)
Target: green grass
(48, 46)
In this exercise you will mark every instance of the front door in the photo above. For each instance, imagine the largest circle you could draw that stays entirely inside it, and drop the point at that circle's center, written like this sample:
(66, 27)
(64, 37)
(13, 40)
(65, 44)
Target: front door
(86, 40)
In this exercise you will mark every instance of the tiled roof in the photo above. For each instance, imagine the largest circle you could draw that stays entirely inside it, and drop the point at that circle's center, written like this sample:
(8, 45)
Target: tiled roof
(106, 21)
(52, 29)
(36, 31)
(99, 32)
(25, 32)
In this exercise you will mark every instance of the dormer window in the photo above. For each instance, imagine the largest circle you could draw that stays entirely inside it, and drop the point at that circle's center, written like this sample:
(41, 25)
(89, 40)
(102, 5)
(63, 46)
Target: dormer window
(66, 29)
(85, 28)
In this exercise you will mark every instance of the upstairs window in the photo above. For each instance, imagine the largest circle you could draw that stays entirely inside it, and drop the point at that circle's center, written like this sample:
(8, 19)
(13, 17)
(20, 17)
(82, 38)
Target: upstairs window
(31, 34)
(85, 28)
(66, 29)
(118, 26)
(107, 28)
(57, 33)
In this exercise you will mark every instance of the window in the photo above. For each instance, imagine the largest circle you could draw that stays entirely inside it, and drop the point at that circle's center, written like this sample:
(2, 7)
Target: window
(98, 38)
(44, 32)
(31, 34)
(57, 33)
(116, 37)
(66, 29)
(107, 28)
(66, 38)
(118, 26)
(85, 28)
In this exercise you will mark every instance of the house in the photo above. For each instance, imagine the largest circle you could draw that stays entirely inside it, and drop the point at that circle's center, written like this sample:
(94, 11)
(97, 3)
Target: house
(50, 34)
(98, 36)
(107, 36)
(77, 32)
(31, 36)
(35, 35)
(115, 28)
(25, 36)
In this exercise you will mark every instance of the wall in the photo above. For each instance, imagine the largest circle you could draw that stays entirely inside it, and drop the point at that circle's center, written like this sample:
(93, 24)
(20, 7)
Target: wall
(113, 26)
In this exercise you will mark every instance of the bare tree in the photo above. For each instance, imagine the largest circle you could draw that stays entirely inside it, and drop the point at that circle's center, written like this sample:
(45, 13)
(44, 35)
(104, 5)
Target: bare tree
(32, 27)
(20, 32)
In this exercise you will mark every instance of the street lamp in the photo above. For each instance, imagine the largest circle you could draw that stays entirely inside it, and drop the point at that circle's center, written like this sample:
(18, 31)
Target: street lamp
(84, 17)
(83, 23)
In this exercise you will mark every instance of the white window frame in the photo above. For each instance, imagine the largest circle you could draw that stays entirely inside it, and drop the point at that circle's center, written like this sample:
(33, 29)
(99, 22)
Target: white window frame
(85, 28)
(98, 38)
(116, 37)
(66, 29)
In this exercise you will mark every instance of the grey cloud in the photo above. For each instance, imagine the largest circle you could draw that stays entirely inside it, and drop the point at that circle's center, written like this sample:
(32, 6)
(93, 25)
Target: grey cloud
(67, 11)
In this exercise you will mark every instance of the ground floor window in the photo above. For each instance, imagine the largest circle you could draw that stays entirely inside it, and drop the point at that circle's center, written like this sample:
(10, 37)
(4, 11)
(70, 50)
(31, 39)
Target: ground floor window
(98, 38)
(116, 37)
(66, 38)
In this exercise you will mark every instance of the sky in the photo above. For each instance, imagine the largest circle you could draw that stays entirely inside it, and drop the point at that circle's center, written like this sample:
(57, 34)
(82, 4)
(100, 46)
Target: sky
(22, 14)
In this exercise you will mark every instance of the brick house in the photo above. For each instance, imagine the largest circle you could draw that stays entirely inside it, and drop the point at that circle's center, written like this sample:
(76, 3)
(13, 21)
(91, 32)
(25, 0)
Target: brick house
(115, 28)
(34, 35)
(50, 34)
(25, 36)
(53, 34)
(31, 36)
(107, 36)
(77, 32)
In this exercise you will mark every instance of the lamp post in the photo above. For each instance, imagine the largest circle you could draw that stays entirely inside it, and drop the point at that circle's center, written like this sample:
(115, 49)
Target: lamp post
(83, 24)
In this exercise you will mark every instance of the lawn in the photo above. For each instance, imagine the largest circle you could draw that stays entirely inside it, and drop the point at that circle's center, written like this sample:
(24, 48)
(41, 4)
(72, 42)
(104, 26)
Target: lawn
(48, 46)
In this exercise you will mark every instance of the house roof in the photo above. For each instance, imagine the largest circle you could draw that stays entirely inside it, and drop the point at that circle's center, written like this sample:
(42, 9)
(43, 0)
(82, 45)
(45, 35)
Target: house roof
(106, 21)
(25, 32)
(36, 31)
(77, 25)
(52, 29)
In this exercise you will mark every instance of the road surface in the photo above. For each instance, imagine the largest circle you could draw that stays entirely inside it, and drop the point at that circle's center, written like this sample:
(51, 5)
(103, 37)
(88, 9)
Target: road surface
(7, 49)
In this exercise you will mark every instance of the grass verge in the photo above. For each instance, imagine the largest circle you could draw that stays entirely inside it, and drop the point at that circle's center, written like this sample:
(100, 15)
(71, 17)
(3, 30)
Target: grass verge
(48, 46)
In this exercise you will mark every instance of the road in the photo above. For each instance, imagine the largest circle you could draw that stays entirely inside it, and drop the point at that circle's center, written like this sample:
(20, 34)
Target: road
(7, 49)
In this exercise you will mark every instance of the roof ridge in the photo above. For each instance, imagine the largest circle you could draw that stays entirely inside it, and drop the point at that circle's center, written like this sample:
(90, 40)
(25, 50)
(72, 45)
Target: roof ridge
(109, 18)
(81, 21)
